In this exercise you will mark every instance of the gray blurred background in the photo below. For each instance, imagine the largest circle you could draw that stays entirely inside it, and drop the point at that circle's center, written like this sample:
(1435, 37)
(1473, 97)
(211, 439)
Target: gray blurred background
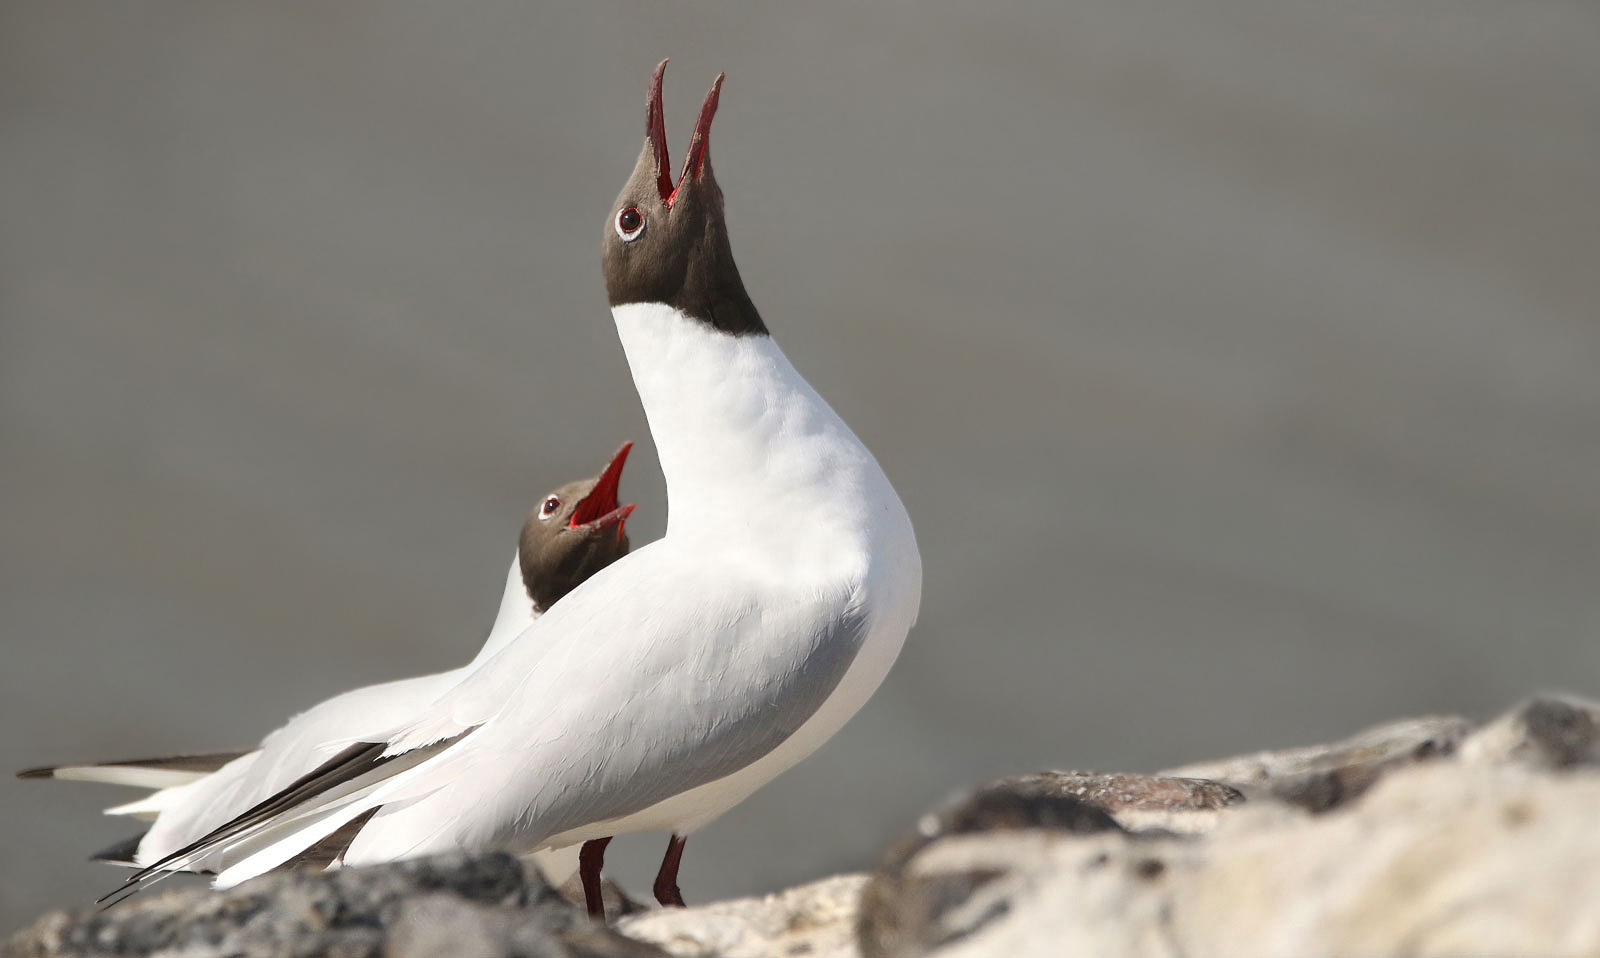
(1239, 363)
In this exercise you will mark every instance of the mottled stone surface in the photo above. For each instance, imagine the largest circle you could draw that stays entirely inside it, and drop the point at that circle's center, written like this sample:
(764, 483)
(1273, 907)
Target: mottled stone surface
(816, 920)
(1022, 893)
(1119, 792)
(904, 910)
(1442, 859)
(1547, 731)
(1422, 837)
(485, 907)
(1138, 802)
(1321, 777)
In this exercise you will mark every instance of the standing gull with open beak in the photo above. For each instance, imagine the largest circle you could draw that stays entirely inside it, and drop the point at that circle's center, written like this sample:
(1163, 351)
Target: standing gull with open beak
(678, 680)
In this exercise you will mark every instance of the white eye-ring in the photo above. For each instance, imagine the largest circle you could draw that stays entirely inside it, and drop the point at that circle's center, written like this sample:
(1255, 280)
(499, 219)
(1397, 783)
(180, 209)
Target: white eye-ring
(629, 223)
(549, 508)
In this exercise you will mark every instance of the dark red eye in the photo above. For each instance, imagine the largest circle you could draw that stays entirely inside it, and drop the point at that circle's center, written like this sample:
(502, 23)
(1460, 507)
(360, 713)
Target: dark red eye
(630, 224)
(550, 506)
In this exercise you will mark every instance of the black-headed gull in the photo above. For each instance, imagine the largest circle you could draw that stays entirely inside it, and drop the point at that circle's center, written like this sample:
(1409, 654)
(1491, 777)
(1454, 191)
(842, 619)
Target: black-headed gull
(678, 680)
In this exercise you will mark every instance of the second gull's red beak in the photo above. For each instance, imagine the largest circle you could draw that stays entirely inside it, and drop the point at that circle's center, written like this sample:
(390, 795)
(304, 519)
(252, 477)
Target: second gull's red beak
(600, 507)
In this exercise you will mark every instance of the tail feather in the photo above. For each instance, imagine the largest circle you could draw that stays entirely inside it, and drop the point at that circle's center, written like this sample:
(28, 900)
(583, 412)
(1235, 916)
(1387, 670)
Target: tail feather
(140, 773)
(148, 808)
(285, 825)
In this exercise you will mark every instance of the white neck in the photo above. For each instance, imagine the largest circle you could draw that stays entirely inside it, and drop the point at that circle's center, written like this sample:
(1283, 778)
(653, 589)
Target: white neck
(515, 615)
(748, 449)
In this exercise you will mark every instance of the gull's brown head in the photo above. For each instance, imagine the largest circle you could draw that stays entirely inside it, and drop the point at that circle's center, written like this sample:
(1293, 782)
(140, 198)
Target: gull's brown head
(667, 242)
(574, 532)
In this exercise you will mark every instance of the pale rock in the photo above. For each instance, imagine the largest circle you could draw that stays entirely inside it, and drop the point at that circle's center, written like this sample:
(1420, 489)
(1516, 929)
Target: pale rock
(815, 921)
(1004, 894)
(488, 906)
(1547, 731)
(1488, 853)
(1439, 859)
(1138, 802)
(1320, 777)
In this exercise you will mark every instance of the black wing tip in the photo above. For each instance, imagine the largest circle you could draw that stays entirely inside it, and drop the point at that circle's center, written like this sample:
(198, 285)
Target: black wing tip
(331, 850)
(122, 853)
(356, 760)
(342, 767)
(44, 771)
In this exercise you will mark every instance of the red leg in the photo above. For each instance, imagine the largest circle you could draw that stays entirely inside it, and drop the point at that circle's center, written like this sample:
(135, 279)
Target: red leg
(667, 878)
(592, 858)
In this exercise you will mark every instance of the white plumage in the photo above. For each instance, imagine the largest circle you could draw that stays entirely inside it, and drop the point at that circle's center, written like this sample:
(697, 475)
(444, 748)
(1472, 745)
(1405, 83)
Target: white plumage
(676, 681)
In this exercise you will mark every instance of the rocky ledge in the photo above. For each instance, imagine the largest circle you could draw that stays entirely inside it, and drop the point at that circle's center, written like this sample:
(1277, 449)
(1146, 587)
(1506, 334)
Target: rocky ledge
(1421, 837)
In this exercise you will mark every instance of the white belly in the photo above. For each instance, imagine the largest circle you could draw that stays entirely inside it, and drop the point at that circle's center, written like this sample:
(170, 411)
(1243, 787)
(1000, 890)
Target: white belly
(687, 811)
(740, 432)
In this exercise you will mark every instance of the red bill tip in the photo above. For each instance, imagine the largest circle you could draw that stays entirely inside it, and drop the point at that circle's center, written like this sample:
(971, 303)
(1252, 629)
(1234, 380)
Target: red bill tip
(695, 162)
(655, 125)
(602, 499)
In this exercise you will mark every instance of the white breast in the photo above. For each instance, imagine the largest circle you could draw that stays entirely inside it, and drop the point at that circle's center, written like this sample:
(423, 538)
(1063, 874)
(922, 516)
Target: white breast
(758, 463)
(782, 529)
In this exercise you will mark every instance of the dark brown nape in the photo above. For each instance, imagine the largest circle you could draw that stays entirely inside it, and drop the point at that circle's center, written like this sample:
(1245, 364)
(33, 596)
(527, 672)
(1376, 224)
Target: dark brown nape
(682, 255)
(713, 291)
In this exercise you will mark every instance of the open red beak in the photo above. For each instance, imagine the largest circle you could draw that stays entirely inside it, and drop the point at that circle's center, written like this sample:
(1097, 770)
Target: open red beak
(600, 507)
(656, 128)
